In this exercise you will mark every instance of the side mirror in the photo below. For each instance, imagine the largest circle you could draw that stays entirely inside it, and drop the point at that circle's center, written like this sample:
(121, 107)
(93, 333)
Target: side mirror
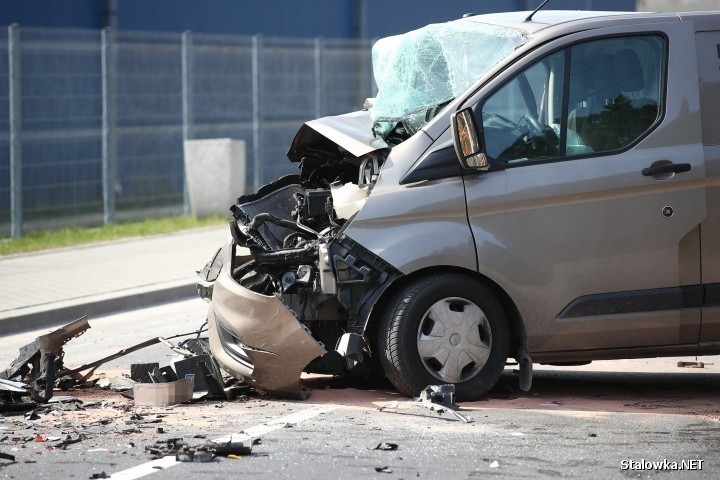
(467, 143)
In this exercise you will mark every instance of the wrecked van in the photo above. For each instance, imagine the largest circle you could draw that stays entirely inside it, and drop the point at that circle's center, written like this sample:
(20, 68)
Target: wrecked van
(543, 187)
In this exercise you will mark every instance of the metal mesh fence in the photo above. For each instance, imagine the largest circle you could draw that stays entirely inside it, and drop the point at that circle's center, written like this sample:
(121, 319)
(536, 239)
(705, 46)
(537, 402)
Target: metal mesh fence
(4, 138)
(99, 118)
(147, 72)
(61, 109)
(347, 75)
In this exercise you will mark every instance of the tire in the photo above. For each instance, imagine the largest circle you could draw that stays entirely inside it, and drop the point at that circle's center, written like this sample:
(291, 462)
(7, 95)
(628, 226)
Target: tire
(457, 324)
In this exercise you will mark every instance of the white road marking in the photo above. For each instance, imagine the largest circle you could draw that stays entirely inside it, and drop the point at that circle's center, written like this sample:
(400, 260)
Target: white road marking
(146, 468)
(247, 434)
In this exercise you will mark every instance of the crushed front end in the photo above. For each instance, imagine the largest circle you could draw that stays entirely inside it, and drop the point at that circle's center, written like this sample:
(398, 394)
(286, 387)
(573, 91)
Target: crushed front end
(291, 293)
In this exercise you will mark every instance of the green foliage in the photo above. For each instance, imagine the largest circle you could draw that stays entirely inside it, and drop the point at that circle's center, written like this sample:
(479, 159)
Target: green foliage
(68, 237)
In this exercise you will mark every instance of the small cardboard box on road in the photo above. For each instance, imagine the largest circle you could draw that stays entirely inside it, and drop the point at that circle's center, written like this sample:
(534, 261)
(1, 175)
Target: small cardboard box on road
(163, 394)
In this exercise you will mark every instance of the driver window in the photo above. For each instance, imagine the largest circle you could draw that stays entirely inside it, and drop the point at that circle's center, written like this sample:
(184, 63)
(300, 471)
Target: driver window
(521, 121)
(614, 95)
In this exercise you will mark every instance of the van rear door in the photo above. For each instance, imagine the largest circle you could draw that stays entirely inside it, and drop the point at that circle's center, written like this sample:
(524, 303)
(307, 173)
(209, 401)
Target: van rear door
(707, 40)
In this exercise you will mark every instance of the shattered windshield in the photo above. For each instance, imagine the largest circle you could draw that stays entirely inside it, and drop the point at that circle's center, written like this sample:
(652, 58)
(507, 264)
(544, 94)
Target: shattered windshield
(425, 68)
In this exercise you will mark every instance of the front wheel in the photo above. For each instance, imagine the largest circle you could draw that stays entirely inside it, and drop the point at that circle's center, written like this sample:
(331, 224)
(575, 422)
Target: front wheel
(448, 328)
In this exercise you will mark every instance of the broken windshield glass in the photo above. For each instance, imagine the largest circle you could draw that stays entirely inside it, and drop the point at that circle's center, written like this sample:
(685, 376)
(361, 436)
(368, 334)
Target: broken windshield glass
(428, 67)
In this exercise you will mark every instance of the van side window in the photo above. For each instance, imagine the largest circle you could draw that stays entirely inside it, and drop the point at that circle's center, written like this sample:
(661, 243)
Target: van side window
(614, 95)
(521, 121)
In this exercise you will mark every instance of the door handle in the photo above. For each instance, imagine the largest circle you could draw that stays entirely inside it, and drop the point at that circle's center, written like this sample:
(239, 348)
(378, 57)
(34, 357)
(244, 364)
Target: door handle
(667, 168)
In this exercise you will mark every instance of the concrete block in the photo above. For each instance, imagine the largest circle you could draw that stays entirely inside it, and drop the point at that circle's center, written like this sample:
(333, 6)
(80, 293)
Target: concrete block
(215, 172)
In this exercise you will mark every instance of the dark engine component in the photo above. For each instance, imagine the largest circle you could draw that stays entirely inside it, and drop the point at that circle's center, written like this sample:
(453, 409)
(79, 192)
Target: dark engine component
(278, 203)
(315, 202)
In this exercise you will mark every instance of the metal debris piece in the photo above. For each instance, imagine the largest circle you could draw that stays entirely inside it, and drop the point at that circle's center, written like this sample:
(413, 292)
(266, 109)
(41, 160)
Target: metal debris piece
(10, 386)
(691, 364)
(64, 399)
(43, 357)
(383, 469)
(51, 351)
(140, 419)
(439, 394)
(438, 398)
(104, 383)
(198, 346)
(28, 354)
(99, 475)
(32, 415)
(200, 453)
(14, 397)
(65, 403)
(163, 448)
(16, 403)
(7, 456)
(174, 348)
(235, 446)
(386, 446)
(92, 366)
(68, 440)
(204, 452)
(184, 455)
(48, 343)
(65, 383)
(117, 384)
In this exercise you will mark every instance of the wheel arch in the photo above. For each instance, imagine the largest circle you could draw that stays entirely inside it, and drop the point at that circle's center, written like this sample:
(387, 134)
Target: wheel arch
(516, 326)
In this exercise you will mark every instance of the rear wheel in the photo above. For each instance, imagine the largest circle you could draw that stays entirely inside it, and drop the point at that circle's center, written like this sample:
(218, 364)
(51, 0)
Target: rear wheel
(448, 328)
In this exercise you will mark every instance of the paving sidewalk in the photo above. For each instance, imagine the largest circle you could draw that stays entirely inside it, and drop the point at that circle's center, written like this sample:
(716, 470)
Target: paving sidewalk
(54, 287)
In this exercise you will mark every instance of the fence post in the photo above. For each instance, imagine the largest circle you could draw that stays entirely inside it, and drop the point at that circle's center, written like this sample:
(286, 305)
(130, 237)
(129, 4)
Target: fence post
(319, 77)
(257, 88)
(15, 114)
(188, 98)
(109, 140)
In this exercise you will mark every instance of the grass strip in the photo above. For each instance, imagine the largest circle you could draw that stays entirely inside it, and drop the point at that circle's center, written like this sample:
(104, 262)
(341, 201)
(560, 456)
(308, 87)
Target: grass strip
(71, 236)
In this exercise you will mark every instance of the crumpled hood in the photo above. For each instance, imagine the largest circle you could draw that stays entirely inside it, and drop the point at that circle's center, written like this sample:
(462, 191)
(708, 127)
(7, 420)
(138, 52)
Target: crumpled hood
(321, 138)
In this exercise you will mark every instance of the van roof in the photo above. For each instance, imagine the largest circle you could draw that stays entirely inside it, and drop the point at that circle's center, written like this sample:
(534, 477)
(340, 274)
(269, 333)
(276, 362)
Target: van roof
(549, 18)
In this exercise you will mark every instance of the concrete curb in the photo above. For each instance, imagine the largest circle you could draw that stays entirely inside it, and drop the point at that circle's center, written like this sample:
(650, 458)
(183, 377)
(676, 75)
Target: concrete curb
(59, 313)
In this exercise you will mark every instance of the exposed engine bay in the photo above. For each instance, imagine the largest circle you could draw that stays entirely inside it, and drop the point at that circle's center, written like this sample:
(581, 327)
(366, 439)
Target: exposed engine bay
(288, 241)
(288, 224)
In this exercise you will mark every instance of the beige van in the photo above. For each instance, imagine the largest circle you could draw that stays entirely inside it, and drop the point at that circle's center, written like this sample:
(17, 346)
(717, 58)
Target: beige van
(541, 187)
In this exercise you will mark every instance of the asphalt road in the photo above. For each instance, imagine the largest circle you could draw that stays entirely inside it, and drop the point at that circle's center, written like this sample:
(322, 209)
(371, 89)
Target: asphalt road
(580, 422)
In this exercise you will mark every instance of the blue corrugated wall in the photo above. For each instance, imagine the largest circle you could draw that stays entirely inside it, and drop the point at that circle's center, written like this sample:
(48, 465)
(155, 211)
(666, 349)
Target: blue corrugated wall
(292, 18)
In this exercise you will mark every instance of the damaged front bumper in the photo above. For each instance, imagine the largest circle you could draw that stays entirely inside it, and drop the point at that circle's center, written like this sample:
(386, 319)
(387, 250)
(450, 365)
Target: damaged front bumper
(257, 337)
